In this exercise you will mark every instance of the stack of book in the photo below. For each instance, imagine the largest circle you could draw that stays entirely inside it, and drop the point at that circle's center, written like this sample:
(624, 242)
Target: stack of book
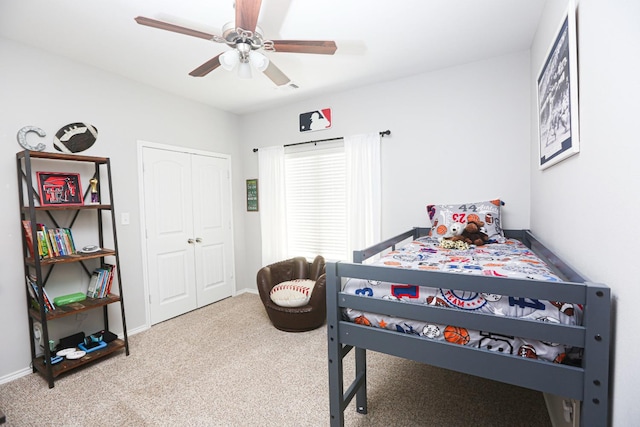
(101, 280)
(32, 286)
(52, 242)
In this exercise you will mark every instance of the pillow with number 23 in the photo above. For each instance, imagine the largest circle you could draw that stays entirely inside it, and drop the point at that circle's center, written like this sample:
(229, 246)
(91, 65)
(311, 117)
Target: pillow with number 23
(442, 216)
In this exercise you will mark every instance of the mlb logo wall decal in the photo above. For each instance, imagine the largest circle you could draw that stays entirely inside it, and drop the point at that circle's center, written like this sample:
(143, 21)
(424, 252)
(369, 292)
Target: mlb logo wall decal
(315, 120)
(75, 137)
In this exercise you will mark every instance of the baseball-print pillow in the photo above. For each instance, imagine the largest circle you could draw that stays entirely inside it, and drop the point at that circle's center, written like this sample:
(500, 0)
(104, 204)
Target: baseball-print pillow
(442, 217)
(294, 293)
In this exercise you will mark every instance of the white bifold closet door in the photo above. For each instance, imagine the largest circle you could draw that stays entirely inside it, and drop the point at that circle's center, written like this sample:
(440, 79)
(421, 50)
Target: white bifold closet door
(187, 210)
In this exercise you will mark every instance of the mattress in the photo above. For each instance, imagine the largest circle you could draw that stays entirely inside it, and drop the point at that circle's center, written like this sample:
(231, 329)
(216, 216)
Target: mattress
(509, 259)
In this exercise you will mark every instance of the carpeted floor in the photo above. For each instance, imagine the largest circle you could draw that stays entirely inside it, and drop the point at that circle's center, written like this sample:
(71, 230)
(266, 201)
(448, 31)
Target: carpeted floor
(226, 365)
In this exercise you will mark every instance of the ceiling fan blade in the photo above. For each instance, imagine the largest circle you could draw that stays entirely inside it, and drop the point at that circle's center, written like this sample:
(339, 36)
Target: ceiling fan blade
(324, 47)
(276, 76)
(171, 27)
(247, 12)
(207, 67)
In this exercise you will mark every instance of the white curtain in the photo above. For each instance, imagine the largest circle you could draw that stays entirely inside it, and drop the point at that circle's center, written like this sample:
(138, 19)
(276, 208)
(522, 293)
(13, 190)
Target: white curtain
(272, 204)
(363, 190)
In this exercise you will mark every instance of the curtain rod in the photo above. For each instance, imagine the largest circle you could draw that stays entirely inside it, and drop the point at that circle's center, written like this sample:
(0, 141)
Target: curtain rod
(382, 134)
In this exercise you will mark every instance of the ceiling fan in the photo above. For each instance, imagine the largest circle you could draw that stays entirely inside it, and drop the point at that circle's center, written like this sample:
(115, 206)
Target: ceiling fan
(246, 39)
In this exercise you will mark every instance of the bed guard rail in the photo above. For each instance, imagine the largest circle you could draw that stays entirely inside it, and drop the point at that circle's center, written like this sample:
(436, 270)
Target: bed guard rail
(360, 255)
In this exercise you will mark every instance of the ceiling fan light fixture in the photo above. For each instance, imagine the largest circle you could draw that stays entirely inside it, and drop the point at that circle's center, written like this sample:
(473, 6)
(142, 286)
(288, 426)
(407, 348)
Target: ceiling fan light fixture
(244, 70)
(243, 36)
(229, 32)
(229, 59)
(258, 60)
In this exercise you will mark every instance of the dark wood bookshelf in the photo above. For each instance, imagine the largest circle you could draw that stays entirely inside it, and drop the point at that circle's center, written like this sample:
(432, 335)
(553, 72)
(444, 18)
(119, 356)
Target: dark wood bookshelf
(72, 257)
(69, 364)
(67, 208)
(61, 156)
(40, 270)
(75, 307)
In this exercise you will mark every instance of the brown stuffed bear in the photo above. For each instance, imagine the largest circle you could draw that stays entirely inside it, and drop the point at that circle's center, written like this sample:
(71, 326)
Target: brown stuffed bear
(472, 234)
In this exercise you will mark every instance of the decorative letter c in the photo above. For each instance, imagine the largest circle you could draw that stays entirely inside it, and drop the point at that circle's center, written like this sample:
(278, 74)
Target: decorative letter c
(22, 138)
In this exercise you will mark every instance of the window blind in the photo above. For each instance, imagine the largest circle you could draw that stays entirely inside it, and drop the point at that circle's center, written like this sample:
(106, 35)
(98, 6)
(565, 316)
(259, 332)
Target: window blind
(316, 203)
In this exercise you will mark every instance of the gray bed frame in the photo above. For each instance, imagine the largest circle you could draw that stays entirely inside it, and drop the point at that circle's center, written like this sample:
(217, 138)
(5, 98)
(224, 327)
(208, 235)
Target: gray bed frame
(588, 383)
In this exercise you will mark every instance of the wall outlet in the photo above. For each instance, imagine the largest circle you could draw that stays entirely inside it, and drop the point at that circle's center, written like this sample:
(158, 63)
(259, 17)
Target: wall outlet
(124, 218)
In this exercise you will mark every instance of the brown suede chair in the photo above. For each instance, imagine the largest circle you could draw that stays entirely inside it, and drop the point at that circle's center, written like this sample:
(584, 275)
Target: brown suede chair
(295, 319)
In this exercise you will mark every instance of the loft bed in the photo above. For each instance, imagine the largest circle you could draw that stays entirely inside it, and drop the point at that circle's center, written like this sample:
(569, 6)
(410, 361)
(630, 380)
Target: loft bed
(586, 379)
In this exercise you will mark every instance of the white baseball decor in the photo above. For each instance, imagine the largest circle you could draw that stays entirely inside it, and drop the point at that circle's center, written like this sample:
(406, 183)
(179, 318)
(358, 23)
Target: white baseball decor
(294, 293)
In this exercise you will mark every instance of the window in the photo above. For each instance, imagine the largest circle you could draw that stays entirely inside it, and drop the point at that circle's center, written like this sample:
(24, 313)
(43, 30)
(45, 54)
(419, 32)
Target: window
(316, 201)
(327, 199)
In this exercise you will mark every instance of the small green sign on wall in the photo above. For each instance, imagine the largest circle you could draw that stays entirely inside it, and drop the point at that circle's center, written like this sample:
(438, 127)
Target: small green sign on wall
(252, 195)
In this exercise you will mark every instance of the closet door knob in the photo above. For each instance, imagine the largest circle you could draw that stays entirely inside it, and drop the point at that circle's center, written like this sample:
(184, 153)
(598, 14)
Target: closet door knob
(191, 241)
(198, 240)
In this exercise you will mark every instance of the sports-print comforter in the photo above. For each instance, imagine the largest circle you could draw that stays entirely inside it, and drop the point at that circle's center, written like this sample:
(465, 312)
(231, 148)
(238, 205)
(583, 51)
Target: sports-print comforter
(511, 259)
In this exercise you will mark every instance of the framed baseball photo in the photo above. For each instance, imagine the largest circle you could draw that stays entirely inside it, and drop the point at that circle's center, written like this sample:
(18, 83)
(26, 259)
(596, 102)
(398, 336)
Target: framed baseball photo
(558, 95)
(57, 189)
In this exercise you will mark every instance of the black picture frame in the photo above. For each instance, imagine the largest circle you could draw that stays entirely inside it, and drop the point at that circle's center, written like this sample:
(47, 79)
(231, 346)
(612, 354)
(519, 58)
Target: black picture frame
(252, 195)
(557, 93)
(59, 189)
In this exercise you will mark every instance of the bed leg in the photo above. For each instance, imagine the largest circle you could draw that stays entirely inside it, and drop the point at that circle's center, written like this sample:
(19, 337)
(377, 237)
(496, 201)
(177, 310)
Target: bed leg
(336, 372)
(336, 392)
(361, 369)
(597, 321)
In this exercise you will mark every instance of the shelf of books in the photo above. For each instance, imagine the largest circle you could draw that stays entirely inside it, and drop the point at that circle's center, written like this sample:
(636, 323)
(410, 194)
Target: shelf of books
(70, 364)
(59, 311)
(72, 257)
(50, 203)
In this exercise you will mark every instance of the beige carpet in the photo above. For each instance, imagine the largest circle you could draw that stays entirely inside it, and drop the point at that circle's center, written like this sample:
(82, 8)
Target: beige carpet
(225, 365)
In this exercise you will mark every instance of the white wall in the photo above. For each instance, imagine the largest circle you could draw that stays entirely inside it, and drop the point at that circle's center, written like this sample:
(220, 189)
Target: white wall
(578, 205)
(457, 135)
(49, 92)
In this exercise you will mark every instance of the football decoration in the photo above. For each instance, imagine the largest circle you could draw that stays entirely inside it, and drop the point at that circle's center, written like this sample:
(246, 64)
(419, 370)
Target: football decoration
(75, 137)
(528, 351)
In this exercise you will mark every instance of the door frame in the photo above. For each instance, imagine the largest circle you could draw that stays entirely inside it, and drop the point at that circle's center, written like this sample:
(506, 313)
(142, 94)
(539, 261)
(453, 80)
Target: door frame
(143, 223)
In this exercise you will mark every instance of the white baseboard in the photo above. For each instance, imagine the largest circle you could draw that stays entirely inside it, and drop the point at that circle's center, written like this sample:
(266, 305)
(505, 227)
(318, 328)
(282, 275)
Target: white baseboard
(15, 375)
(134, 331)
(246, 291)
(563, 412)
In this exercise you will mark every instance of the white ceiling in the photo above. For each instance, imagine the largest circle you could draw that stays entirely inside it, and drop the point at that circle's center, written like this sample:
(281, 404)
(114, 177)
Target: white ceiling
(378, 40)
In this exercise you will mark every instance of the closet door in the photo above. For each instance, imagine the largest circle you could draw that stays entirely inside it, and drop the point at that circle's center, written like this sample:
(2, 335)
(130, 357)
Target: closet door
(168, 205)
(188, 231)
(212, 228)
